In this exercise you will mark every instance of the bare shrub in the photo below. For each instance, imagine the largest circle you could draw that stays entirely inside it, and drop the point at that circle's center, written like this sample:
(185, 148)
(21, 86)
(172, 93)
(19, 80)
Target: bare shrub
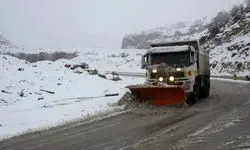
(124, 55)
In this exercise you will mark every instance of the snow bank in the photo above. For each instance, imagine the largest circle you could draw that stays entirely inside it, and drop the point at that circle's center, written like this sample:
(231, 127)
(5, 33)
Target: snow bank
(26, 106)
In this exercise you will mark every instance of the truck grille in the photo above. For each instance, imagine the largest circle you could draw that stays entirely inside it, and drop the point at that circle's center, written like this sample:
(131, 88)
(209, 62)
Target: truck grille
(175, 83)
(177, 74)
(157, 75)
(174, 74)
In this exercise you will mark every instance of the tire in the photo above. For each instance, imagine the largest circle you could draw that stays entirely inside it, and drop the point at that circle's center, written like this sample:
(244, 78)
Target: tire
(248, 78)
(205, 91)
(194, 96)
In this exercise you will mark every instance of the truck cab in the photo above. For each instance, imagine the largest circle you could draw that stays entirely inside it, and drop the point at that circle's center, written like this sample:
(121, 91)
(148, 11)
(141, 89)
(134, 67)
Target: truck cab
(179, 63)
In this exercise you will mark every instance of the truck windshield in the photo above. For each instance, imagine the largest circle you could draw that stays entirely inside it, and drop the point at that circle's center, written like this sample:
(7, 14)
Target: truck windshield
(175, 59)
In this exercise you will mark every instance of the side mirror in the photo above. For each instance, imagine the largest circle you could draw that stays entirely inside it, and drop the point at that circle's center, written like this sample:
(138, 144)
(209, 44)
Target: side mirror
(143, 62)
(193, 57)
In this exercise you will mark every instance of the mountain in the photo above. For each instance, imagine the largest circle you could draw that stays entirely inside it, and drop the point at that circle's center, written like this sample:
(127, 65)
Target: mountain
(226, 37)
(6, 45)
(181, 30)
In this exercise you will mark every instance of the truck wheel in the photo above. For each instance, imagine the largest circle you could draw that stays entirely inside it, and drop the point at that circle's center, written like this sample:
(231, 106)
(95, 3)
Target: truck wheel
(208, 88)
(205, 91)
(248, 78)
(194, 96)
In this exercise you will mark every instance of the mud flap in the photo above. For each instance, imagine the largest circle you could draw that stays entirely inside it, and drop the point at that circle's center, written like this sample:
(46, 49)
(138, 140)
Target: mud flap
(159, 95)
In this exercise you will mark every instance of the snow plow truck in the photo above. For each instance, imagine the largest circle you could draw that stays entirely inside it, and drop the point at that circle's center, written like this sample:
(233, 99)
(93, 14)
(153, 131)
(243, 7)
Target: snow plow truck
(176, 73)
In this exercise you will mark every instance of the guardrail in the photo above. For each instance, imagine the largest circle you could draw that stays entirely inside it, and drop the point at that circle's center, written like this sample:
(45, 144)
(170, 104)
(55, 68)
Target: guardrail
(231, 77)
(133, 74)
(137, 74)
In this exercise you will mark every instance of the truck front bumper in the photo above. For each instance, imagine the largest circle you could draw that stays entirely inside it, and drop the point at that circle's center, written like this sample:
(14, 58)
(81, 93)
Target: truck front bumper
(186, 84)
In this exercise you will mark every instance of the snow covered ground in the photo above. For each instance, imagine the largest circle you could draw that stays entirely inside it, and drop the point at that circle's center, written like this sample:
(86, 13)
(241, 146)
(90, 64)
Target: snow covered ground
(24, 106)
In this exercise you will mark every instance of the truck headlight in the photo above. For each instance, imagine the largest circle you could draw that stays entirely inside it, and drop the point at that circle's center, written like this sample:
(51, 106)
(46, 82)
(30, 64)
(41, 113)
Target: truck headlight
(178, 69)
(171, 78)
(161, 79)
(154, 70)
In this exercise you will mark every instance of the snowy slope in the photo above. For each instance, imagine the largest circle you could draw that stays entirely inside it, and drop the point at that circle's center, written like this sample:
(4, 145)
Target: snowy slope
(178, 31)
(229, 49)
(24, 107)
(232, 57)
(6, 45)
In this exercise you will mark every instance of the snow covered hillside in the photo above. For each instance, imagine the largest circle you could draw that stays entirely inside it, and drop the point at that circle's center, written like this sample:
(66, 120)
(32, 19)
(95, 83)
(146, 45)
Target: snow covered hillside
(178, 31)
(46, 93)
(6, 45)
(226, 37)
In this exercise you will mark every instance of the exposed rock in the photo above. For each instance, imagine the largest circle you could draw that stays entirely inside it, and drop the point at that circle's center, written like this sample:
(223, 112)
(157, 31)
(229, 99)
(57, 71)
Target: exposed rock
(20, 69)
(233, 47)
(6, 92)
(40, 98)
(124, 55)
(214, 64)
(246, 49)
(82, 66)
(93, 72)
(239, 66)
(234, 54)
(4, 101)
(116, 79)
(102, 76)
(67, 65)
(21, 94)
(114, 76)
(114, 73)
(50, 92)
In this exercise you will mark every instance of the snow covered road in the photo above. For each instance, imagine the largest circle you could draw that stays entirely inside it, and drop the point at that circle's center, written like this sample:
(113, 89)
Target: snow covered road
(218, 122)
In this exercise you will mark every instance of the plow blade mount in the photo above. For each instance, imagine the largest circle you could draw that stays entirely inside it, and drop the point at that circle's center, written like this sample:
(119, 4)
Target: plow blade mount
(159, 95)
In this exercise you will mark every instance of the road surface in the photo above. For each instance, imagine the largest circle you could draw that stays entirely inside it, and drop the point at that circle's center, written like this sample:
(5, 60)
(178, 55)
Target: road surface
(221, 121)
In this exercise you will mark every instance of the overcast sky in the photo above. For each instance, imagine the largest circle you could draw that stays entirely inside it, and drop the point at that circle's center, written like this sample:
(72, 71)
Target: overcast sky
(67, 23)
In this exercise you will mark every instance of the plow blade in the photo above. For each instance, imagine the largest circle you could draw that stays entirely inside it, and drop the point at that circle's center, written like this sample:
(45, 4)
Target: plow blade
(159, 95)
